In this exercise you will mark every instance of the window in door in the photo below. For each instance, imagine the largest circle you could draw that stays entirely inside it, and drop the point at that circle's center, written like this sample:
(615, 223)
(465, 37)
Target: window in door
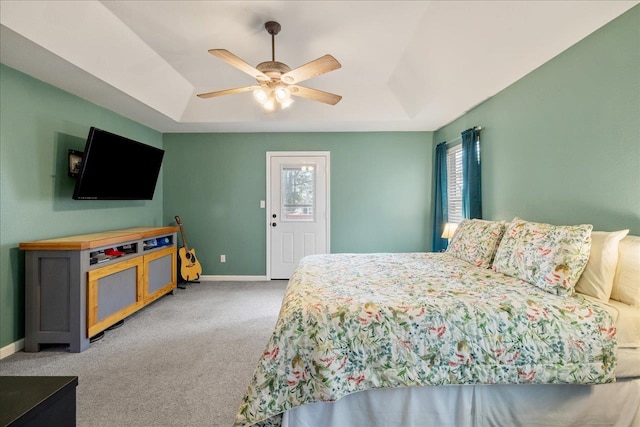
(297, 195)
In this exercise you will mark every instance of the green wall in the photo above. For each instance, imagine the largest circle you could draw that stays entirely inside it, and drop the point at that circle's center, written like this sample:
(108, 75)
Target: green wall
(39, 123)
(380, 192)
(562, 145)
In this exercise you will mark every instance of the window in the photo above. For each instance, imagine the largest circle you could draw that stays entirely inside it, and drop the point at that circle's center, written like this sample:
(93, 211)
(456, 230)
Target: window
(454, 183)
(298, 188)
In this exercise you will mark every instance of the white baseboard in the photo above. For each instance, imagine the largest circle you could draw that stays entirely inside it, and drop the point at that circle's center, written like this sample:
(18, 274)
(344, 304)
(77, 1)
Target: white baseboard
(9, 349)
(216, 278)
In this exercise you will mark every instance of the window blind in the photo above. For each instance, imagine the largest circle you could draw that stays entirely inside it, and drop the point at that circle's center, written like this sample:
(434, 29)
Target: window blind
(454, 183)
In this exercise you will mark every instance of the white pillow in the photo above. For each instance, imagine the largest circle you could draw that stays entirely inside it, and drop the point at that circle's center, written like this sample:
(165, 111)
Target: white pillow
(626, 283)
(597, 277)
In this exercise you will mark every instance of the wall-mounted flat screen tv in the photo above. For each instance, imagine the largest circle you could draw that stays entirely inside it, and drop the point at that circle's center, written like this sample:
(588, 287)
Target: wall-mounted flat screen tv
(117, 168)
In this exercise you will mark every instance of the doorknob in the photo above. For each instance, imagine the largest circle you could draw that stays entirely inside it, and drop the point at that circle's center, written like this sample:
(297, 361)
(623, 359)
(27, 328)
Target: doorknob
(274, 215)
(273, 224)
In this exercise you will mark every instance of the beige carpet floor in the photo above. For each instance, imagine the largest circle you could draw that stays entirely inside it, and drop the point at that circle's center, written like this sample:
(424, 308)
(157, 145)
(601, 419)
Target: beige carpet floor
(185, 360)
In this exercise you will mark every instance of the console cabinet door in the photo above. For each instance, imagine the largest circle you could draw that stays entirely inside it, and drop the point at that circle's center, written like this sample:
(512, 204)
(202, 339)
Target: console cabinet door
(160, 273)
(114, 292)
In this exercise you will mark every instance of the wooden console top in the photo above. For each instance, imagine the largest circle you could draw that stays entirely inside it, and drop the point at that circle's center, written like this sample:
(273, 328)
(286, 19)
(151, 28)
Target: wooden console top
(96, 240)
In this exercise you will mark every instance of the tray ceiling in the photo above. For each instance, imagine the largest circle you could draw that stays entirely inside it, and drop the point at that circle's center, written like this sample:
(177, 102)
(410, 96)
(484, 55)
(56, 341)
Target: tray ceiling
(406, 65)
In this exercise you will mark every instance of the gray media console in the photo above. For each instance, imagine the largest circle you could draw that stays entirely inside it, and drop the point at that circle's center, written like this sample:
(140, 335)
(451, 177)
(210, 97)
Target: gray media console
(78, 286)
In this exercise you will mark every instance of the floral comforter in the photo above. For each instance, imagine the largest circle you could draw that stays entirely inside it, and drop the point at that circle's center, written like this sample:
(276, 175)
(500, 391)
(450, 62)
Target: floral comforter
(351, 322)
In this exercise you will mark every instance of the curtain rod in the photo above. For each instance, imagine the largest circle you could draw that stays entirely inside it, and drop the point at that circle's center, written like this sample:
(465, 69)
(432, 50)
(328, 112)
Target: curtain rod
(478, 128)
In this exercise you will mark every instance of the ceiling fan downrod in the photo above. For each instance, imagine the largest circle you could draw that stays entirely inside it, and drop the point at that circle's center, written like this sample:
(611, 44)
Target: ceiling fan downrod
(273, 28)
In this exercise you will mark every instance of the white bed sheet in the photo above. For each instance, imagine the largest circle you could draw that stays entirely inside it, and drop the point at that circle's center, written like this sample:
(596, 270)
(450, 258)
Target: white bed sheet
(626, 318)
(616, 404)
(628, 363)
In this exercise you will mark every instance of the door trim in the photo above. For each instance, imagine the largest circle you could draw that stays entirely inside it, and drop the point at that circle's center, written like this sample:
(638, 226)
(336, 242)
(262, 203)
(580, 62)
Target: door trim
(270, 155)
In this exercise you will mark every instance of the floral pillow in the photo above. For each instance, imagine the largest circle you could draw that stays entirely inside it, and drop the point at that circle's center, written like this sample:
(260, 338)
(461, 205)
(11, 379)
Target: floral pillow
(476, 241)
(550, 257)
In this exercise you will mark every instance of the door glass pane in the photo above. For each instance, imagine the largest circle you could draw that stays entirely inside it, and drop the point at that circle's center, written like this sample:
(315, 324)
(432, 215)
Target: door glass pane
(298, 188)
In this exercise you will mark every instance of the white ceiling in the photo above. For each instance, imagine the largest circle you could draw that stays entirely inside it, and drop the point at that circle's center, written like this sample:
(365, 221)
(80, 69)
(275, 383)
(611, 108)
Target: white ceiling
(406, 65)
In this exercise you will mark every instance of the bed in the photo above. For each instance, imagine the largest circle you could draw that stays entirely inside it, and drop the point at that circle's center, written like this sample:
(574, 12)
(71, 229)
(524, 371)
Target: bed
(490, 332)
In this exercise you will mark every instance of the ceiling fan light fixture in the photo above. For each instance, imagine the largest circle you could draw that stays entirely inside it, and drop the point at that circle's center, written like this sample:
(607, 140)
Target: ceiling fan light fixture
(261, 95)
(286, 103)
(282, 94)
(269, 104)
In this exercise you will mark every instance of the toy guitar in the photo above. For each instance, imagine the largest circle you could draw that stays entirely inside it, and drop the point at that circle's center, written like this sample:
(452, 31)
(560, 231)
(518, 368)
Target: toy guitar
(190, 268)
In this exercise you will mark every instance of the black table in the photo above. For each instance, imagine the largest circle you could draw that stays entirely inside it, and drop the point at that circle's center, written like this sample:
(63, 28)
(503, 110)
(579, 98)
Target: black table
(38, 401)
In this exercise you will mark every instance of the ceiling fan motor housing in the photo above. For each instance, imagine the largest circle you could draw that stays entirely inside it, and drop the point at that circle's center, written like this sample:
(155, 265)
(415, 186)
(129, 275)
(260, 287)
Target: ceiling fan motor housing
(273, 69)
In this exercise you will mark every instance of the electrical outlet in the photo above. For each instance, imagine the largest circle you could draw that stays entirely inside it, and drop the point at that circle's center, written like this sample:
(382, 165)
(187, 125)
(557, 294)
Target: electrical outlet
(223, 258)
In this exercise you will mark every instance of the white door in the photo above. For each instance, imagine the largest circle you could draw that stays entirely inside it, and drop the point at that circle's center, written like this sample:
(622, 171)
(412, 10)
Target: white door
(297, 209)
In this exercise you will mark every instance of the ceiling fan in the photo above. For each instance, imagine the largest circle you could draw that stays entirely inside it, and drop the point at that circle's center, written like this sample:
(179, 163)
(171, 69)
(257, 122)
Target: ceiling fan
(276, 82)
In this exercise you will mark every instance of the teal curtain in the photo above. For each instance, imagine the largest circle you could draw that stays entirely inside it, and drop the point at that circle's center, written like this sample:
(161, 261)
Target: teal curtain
(471, 180)
(440, 244)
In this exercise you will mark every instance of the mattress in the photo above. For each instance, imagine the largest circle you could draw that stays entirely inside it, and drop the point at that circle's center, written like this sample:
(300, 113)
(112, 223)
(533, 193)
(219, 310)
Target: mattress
(628, 363)
(627, 321)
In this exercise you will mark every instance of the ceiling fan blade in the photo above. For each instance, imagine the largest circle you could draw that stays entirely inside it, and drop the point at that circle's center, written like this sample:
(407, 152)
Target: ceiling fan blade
(319, 66)
(315, 94)
(228, 91)
(233, 60)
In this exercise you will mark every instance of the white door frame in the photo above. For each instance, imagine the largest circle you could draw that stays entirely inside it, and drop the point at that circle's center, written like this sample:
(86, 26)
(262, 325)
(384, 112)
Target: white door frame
(270, 154)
